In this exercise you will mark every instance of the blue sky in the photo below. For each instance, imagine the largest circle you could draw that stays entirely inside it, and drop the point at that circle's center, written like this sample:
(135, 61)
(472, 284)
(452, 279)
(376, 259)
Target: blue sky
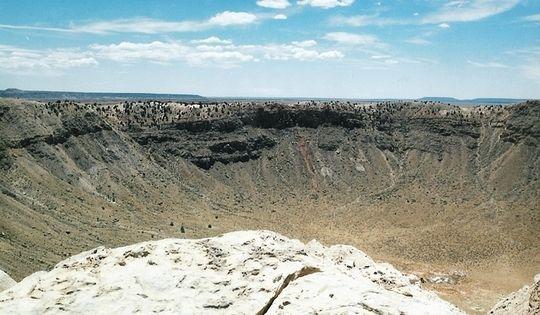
(303, 48)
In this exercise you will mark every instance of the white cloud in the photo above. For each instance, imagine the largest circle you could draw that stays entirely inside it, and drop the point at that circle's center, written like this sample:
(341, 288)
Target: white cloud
(35, 28)
(417, 41)
(487, 64)
(353, 39)
(468, 10)
(527, 52)
(332, 54)
(388, 60)
(452, 11)
(532, 18)
(355, 20)
(363, 20)
(274, 4)
(391, 61)
(326, 4)
(232, 18)
(212, 40)
(149, 26)
(139, 25)
(305, 43)
(529, 58)
(211, 51)
(280, 17)
(224, 59)
(531, 70)
(155, 51)
(293, 51)
(18, 59)
(165, 52)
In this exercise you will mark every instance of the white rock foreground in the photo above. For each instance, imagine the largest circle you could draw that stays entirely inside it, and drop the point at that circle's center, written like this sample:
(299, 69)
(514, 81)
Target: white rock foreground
(247, 272)
(525, 301)
(5, 281)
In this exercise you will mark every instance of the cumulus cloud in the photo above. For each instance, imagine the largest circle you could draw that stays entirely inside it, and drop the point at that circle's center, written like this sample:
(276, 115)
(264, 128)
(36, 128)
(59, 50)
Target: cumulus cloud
(332, 54)
(154, 51)
(305, 43)
(232, 18)
(303, 51)
(353, 39)
(417, 41)
(165, 52)
(274, 4)
(381, 57)
(220, 58)
(293, 52)
(212, 40)
(326, 4)
(18, 59)
(210, 51)
(532, 18)
(444, 25)
(363, 20)
(280, 17)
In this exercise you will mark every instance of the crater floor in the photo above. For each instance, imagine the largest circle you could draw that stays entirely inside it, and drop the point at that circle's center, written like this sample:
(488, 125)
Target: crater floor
(447, 193)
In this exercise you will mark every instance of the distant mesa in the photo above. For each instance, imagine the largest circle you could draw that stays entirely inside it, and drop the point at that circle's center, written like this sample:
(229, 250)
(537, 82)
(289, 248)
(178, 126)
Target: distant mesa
(104, 96)
(95, 96)
(474, 101)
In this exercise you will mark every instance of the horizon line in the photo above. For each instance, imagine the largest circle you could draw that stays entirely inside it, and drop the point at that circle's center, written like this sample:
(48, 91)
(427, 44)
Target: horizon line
(274, 97)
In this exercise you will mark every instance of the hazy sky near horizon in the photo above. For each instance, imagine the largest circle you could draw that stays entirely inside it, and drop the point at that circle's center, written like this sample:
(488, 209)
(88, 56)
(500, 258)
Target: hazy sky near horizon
(296, 48)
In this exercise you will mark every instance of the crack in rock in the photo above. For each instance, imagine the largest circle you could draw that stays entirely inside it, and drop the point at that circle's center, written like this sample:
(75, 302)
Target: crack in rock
(306, 270)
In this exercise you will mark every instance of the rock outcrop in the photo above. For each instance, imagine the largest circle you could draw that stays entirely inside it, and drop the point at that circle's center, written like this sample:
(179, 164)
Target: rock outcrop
(525, 301)
(5, 281)
(242, 272)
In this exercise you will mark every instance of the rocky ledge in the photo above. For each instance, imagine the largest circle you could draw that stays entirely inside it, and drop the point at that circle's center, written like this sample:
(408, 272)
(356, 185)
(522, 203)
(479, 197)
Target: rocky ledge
(525, 301)
(5, 281)
(243, 272)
